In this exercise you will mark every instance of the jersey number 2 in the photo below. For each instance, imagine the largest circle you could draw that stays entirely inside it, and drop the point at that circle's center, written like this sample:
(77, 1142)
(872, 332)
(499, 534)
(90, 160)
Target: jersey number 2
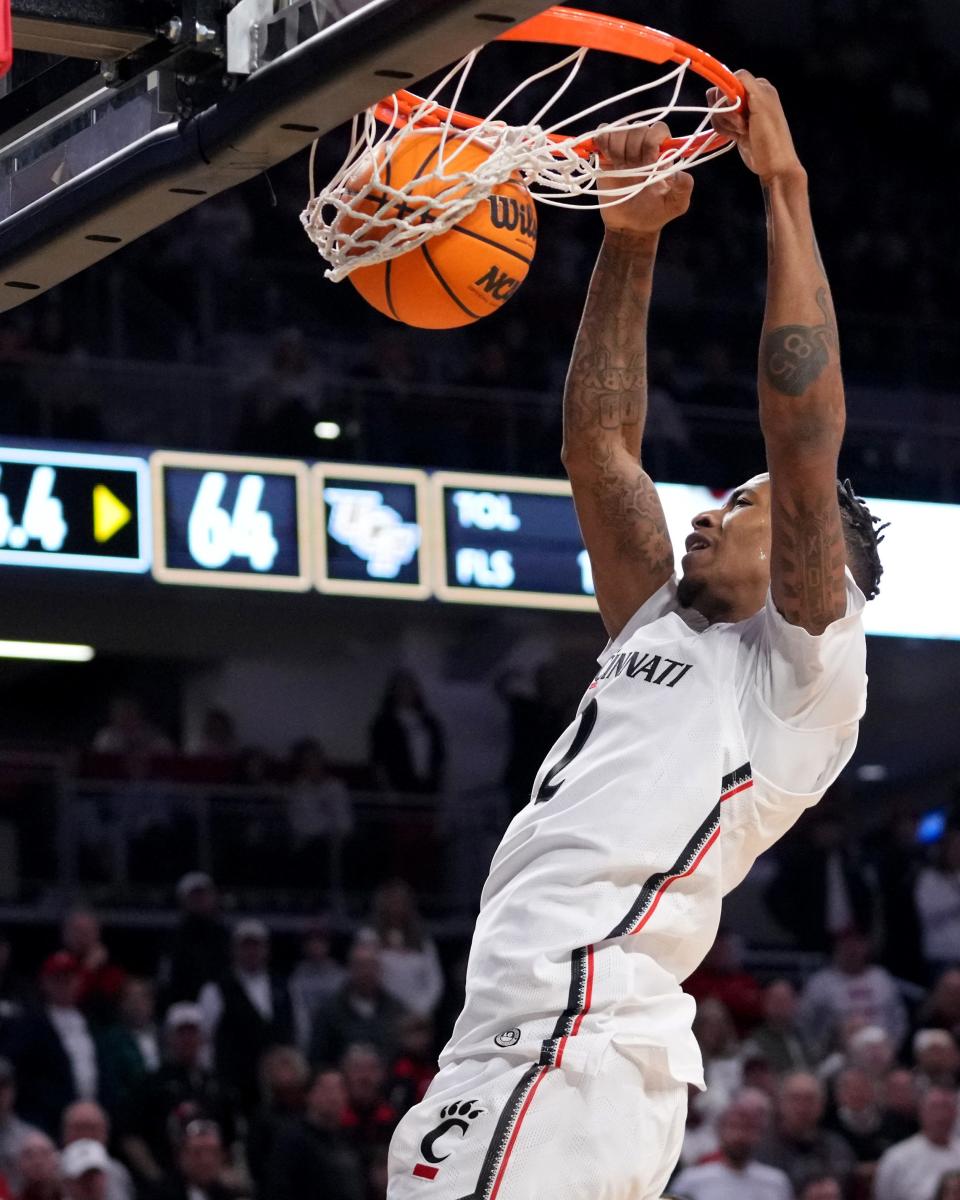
(548, 789)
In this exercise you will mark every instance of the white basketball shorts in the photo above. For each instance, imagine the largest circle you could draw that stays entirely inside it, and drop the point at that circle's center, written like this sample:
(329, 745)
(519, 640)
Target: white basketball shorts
(498, 1130)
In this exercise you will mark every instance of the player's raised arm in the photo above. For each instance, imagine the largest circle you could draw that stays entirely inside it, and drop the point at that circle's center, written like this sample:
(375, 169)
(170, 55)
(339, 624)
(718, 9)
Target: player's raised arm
(801, 389)
(605, 400)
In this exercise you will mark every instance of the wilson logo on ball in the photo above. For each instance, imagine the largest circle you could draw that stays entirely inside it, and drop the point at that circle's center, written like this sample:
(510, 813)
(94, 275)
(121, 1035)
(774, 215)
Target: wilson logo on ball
(508, 213)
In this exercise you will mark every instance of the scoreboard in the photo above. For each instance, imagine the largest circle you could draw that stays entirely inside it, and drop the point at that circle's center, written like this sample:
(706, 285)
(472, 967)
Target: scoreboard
(278, 524)
(510, 541)
(372, 533)
(74, 511)
(226, 521)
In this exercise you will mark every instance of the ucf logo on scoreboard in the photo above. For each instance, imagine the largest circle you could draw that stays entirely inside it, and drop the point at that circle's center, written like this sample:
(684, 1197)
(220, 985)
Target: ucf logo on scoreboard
(371, 531)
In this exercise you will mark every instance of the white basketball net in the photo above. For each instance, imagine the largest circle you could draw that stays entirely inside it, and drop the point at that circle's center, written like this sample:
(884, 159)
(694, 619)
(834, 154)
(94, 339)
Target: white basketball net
(551, 169)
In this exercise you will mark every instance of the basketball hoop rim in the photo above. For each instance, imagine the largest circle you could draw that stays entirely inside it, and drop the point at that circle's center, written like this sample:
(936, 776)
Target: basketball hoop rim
(575, 27)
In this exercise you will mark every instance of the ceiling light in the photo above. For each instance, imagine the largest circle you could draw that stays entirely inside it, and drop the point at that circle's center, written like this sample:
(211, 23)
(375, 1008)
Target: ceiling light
(47, 651)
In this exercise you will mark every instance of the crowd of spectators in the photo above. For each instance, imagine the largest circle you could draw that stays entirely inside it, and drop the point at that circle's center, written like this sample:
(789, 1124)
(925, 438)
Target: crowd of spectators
(223, 1073)
(217, 1075)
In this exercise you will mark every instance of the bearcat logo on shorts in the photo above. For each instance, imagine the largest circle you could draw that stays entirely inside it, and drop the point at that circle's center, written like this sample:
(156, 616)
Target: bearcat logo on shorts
(454, 1117)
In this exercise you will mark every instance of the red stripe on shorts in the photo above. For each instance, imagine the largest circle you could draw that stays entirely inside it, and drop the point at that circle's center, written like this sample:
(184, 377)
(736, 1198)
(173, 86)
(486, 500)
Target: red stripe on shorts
(513, 1136)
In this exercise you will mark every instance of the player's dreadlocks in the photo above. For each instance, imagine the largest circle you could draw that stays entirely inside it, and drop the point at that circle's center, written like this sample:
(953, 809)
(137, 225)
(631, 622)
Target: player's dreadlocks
(862, 533)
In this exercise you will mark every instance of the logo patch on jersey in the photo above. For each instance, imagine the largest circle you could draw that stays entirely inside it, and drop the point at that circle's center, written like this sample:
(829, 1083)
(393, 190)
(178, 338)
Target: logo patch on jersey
(454, 1118)
(509, 1037)
(653, 668)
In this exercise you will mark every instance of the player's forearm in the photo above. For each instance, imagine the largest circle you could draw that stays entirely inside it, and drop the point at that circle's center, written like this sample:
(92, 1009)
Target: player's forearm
(799, 380)
(605, 399)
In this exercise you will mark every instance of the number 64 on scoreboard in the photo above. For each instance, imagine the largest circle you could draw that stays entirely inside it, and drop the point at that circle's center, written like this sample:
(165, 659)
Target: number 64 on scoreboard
(226, 521)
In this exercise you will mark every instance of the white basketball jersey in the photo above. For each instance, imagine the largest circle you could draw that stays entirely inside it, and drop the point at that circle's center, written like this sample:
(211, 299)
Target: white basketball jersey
(605, 892)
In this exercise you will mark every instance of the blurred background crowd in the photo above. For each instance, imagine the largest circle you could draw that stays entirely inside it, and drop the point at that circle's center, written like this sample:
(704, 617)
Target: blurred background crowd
(262, 1028)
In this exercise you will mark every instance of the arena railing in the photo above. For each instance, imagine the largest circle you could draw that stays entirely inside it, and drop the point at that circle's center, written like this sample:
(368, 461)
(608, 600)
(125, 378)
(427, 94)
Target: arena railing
(123, 843)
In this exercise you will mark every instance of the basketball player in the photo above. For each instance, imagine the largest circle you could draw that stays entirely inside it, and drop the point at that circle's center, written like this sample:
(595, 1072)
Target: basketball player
(725, 704)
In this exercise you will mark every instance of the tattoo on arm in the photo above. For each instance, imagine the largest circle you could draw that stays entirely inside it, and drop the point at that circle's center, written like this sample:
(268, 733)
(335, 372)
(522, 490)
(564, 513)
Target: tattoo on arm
(604, 411)
(631, 511)
(792, 357)
(606, 385)
(809, 555)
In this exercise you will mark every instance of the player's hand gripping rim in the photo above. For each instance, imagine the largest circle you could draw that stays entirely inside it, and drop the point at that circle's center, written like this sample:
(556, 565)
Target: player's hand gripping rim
(661, 202)
(760, 131)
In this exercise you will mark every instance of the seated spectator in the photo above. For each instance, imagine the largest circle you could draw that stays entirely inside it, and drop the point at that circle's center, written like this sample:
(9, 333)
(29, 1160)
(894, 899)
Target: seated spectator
(821, 890)
(319, 811)
(86, 1123)
(537, 716)
(777, 1038)
(369, 1118)
(201, 943)
(734, 1174)
(15, 992)
(871, 1049)
(798, 1144)
(201, 1172)
(718, 1044)
(284, 1077)
(415, 1065)
(183, 1088)
(407, 744)
(821, 1187)
(936, 1058)
(52, 1048)
(84, 1166)
(851, 987)
(13, 1131)
(941, 1010)
(217, 737)
(858, 1115)
(312, 1156)
(722, 977)
(378, 1174)
(408, 956)
(313, 980)
(246, 1012)
(700, 1139)
(937, 896)
(949, 1187)
(129, 1049)
(129, 733)
(910, 1169)
(758, 1074)
(39, 1169)
(101, 981)
(901, 1102)
(361, 1010)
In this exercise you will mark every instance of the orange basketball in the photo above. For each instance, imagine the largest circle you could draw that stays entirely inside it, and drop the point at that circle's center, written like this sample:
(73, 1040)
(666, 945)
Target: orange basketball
(459, 276)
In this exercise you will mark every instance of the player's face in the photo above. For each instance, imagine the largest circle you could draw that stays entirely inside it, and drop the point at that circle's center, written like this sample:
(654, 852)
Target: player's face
(726, 569)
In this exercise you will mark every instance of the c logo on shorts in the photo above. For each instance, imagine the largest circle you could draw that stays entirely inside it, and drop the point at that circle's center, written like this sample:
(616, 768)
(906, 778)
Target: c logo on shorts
(509, 1037)
(455, 1116)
